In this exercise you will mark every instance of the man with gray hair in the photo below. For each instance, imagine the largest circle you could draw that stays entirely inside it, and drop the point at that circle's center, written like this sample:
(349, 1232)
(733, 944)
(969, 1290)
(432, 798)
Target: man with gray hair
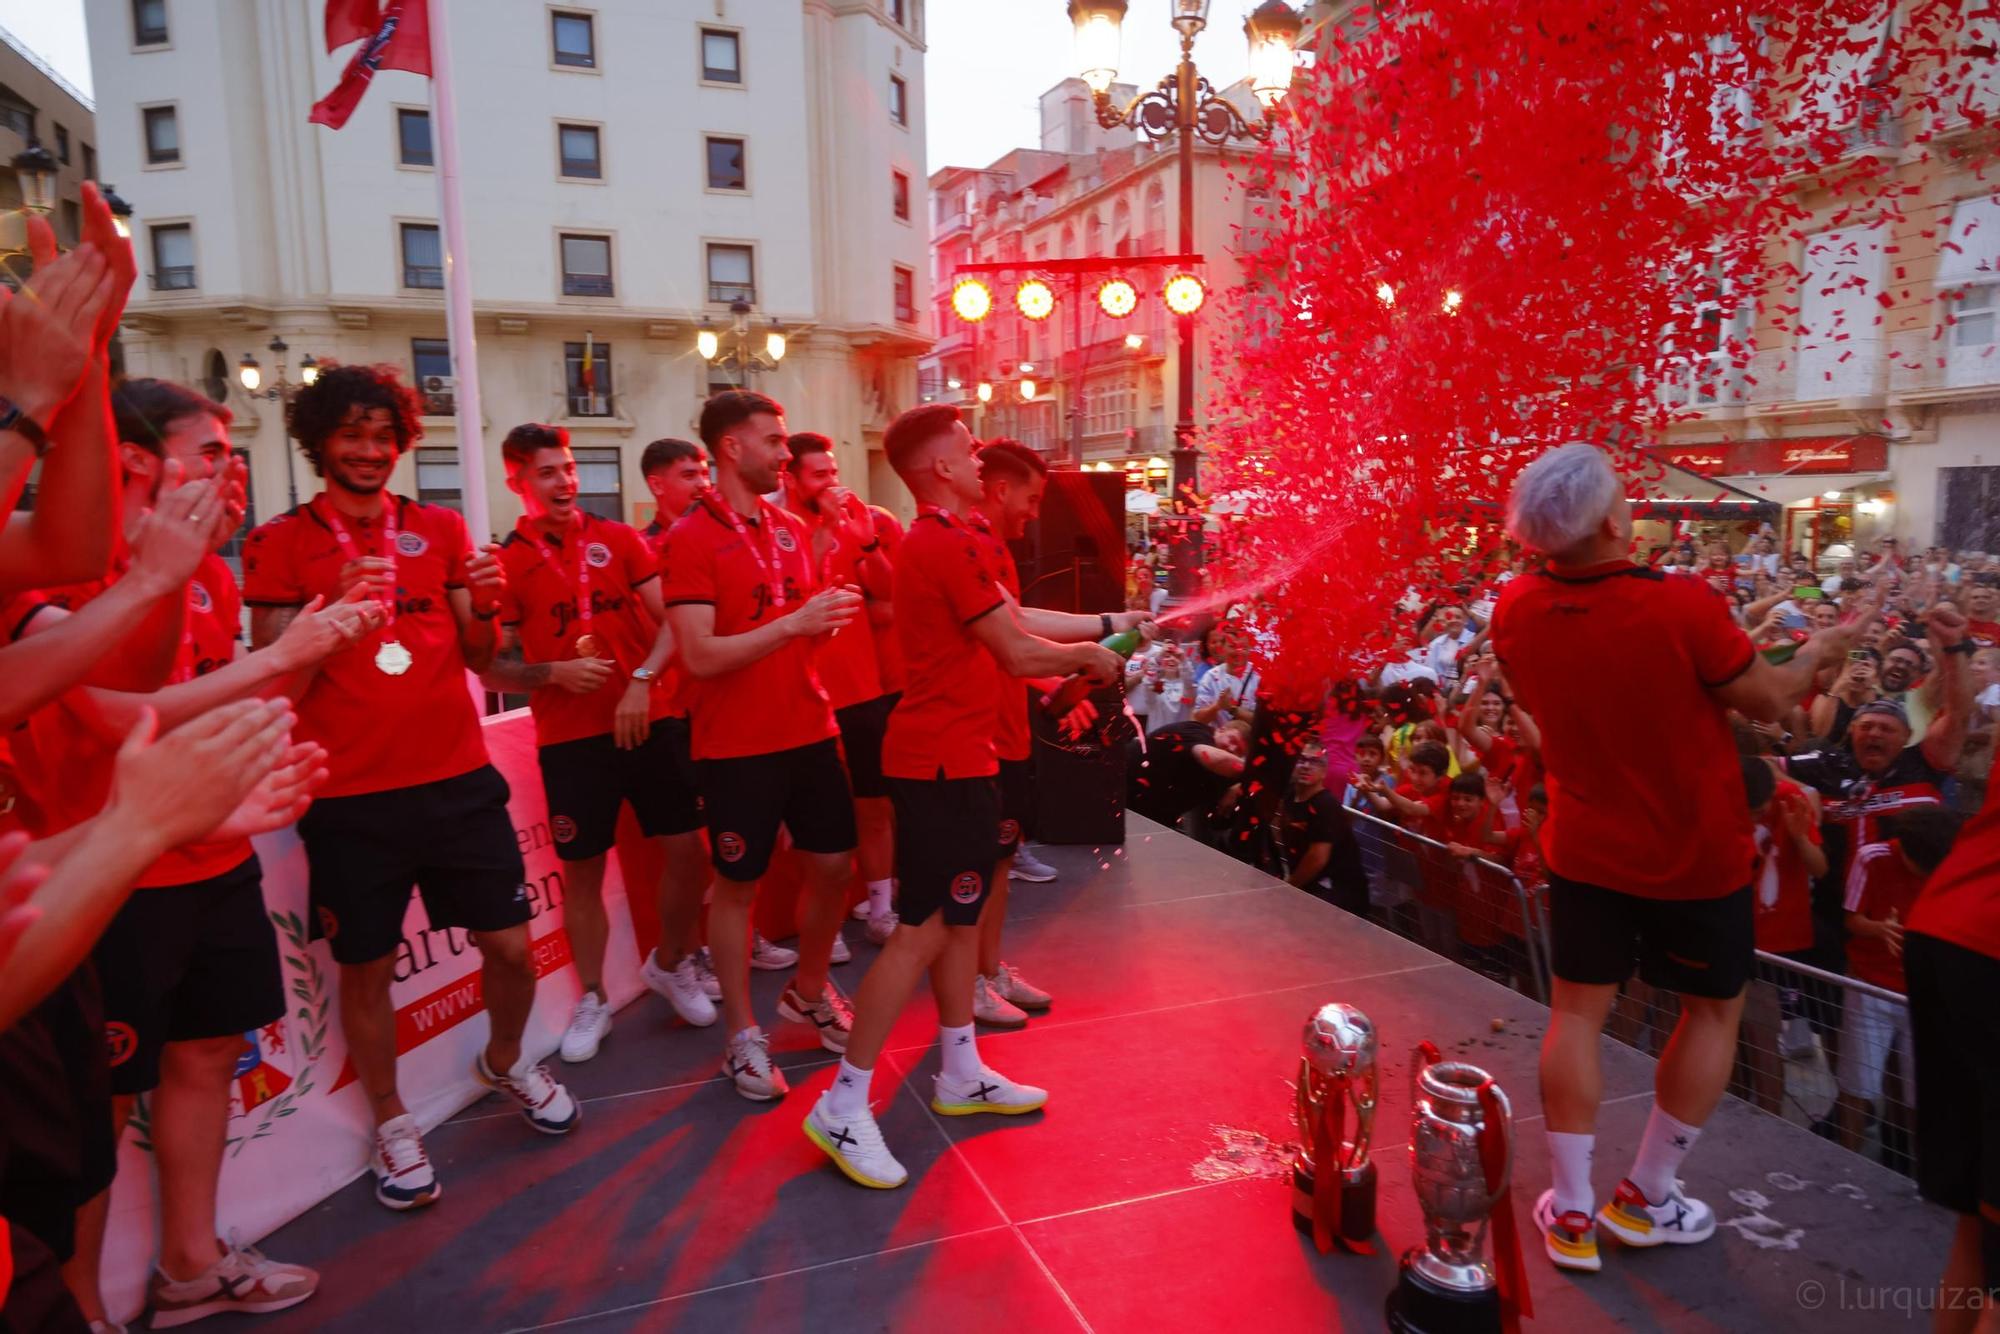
(1648, 839)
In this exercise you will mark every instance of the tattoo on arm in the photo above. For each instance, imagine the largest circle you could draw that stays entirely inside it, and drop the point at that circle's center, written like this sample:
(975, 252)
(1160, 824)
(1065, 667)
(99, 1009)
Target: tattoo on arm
(510, 673)
(267, 623)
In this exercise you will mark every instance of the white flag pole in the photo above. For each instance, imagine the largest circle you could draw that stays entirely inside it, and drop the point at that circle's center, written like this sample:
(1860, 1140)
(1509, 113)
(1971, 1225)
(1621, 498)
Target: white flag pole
(458, 284)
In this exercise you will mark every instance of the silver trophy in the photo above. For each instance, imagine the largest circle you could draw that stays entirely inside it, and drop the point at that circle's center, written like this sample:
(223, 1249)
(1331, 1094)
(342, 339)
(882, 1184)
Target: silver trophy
(1333, 1178)
(1461, 1155)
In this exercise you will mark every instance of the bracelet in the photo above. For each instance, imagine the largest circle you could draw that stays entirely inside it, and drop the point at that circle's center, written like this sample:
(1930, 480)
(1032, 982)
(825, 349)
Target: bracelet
(14, 418)
(1104, 619)
(1963, 646)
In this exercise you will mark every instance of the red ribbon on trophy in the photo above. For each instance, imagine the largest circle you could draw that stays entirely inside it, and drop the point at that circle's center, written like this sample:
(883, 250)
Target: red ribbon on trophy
(1329, 1129)
(1515, 1299)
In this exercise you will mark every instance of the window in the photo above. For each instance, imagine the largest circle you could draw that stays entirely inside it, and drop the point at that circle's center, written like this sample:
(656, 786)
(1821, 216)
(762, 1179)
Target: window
(16, 115)
(899, 100)
(62, 145)
(437, 477)
(1972, 318)
(72, 222)
(587, 380)
(173, 258)
(732, 274)
(906, 295)
(575, 40)
(581, 155)
(89, 163)
(413, 137)
(899, 195)
(1838, 332)
(430, 371)
(163, 135)
(721, 56)
(586, 263)
(149, 22)
(423, 256)
(895, 8)
(725, 165)
(600, 483)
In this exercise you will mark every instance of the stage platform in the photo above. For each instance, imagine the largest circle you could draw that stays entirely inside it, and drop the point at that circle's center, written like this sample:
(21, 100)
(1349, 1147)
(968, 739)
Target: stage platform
(1181, 981)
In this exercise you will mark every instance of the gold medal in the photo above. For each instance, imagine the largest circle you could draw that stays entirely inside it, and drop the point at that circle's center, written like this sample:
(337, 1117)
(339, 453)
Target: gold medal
(587, 646)
(392, 659)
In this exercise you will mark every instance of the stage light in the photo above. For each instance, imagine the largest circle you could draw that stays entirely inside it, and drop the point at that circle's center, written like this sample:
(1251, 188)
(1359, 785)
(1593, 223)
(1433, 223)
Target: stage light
(1027, 391)
(1184, 294)
(1035, 299)
(972, 300)
(1453, 299)
(985, 392)
(1117, 298)
(1385, 294)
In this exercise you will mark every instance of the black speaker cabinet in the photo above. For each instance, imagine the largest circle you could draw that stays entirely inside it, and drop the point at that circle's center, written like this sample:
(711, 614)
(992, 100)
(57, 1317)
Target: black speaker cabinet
(1079, 784)
(1073, 557)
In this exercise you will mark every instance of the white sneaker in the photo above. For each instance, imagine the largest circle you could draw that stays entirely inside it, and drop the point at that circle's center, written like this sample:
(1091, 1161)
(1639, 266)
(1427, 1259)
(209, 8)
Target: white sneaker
(589, 1024)
(545, 1104)
(681, 985)
(855, 1145)
(881, 928)
(1637, 1221)
(1029, 867)
(403, 1176)
(1018, 990)
(987, 1091)
(242, 1280)
(771, 958)
(1570, 1239)
(830, 1014)
(840, 954)
(704, 968)
(748, 1062)
(990, 1007)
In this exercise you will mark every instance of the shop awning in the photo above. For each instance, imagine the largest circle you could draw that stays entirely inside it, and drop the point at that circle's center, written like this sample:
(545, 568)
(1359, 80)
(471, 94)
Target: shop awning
(1791, 489)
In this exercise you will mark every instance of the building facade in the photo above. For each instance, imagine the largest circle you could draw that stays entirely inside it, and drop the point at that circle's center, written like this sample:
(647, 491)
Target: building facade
(38, 106)
(1080, 385)
(631, 171)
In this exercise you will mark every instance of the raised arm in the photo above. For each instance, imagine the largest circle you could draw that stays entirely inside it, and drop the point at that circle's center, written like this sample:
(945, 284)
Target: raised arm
(1021, 653)
(1944, 741)
(706, 654)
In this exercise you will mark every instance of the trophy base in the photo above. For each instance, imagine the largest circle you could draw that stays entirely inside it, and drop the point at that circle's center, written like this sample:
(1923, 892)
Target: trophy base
(1357, 1205)
(1418, 1306)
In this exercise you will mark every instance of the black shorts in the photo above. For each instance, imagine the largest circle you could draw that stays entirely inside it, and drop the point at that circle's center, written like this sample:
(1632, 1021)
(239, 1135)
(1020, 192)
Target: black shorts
(745, 799)
(183, 962)
(58, 1148)
(947, 844)
(862, 727)
(1692, 947)
(1016, 795)
(452, 839)
(1954, 1031)
(587, 780)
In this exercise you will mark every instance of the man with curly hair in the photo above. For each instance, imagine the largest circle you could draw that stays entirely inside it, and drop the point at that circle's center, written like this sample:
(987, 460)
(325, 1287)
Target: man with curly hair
(411, 798)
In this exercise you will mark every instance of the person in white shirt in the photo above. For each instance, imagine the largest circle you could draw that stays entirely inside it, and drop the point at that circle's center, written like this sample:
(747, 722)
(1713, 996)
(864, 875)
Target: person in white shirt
(1170, 682)
(1455, 632)
(1761, 558)
(1229, 690)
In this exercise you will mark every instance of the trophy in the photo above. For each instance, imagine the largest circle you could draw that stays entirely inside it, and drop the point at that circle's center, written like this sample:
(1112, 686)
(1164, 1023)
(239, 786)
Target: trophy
(1333, 1178)
(1461, 1155)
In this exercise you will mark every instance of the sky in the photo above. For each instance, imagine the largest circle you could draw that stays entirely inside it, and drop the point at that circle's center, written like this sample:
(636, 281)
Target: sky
(989, 61)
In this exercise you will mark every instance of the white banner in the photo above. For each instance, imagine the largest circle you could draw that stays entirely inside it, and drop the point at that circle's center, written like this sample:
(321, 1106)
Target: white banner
(299, 1128)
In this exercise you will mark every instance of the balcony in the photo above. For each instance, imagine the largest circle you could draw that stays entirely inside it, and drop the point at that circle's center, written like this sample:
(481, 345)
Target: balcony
(428, 276)
(727, 294)
(586, 284)
(952, 223)
(174, 278)
(1927, 369)
(592, 405)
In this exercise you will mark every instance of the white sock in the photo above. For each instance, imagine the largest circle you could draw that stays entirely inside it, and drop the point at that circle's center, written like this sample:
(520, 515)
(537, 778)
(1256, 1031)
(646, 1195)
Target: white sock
(1667, 1141)
(1569, 1165)
(878, 896)
(959, 1051)
(848, 1096)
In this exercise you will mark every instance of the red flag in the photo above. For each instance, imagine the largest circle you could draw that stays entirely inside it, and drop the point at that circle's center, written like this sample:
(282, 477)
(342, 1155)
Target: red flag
(394, 34)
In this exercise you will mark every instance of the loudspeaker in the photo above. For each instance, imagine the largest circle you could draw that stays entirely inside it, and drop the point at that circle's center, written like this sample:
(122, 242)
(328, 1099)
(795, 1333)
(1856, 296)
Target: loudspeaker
(1079, 784)
(1073, 557)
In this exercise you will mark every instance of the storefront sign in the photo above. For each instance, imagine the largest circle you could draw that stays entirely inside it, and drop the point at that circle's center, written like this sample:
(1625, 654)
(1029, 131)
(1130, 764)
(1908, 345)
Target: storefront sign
(1809, 457)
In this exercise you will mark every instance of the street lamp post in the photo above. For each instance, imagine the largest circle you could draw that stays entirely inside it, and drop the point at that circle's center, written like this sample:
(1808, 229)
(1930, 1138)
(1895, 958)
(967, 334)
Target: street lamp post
(1185, 107)
(741, 356)
(281, 390)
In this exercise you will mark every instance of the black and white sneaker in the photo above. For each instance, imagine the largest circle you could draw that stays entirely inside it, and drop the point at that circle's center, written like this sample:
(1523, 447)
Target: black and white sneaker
(855, 1145)
(987, 1091)
(403, 1175)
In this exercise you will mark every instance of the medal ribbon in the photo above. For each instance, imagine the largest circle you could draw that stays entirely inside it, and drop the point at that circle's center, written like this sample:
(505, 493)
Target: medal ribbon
(1494, 1156)
(581, 588)
(353, 549)
(770, 560)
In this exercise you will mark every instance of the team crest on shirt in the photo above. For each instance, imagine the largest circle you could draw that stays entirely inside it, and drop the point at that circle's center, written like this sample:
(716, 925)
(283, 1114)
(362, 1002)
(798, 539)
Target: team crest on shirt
(965, 889)
(730, 846)
(120, 1041)
(199, 600)
(598, 555)
(563, 828)
(786, 542)
(1010, 830)
(412, 544)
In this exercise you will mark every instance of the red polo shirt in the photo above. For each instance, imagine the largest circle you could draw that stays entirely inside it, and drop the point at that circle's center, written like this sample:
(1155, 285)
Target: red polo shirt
(944, 726)
(775, 703)
(1011, 736)
(1783, 889)
(546, 582)
(888, 646)
(381, 732)
(1646, 801)
(846, 661)
(66, 753)
(1961, 900)
(1879, 884)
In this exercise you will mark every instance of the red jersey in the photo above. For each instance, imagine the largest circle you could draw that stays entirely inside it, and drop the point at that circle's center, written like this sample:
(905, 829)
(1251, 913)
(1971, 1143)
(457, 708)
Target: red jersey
(1515, 764)
(751, 575)
(1961, 901)
(1626, 786)
(846, 661)
(598, 566)
(1783, 888)
(381, 731)
(888, 647)
(1880, 884)
(943, 728)
(675, 685)
(1011, 734)
(1986, 634)
(66, 755)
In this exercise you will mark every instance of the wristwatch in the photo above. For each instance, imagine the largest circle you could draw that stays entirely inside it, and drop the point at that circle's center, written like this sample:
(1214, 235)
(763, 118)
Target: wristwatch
(14, 418)
(1963, 646)
(646, 674)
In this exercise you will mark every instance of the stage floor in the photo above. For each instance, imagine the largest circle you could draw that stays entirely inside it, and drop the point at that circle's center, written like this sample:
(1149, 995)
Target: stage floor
(1181, 981)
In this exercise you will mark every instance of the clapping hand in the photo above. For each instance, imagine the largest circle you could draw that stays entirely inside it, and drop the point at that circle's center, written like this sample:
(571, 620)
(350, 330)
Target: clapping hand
(48, 329)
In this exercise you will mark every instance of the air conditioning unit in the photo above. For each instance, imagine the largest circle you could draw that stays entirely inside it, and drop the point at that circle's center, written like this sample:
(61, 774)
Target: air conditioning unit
(441, 385)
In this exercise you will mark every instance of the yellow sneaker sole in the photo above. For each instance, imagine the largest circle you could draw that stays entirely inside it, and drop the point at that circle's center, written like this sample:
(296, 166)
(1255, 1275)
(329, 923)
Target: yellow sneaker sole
(975, 1108)
(847, 1169)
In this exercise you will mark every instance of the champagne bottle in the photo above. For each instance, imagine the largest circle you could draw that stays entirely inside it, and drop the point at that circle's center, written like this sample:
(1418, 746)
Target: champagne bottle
(1071, 692)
